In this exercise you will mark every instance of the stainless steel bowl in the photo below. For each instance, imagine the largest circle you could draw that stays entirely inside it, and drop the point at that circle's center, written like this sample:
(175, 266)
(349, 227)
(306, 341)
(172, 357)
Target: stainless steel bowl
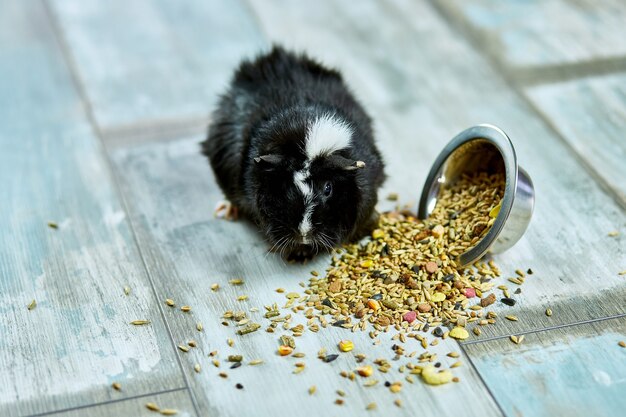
(484, 148)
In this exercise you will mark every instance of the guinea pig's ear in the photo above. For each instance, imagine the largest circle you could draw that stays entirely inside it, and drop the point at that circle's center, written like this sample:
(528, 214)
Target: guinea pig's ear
(269, 160)
(345, 163)
(355, 165)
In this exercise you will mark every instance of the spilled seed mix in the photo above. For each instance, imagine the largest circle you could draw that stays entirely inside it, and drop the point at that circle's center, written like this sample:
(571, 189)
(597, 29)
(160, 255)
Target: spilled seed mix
(405, 276)
(410, 267)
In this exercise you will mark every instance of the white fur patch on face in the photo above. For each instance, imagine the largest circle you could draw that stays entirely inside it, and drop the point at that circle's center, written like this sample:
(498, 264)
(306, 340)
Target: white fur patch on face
(305, 224)
(299, 179)
(327, 135)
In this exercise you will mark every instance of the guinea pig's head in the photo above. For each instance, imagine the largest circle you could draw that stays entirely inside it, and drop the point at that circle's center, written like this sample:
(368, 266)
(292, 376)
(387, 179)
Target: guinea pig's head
(311, 188)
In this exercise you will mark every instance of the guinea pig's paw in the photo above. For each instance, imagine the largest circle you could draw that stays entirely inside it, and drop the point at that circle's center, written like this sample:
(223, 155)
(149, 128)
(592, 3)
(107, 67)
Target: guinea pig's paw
(226, 210)
(301, 254)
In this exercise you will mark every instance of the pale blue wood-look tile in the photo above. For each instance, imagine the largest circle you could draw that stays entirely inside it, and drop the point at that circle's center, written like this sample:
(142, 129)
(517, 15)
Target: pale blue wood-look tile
(153, 61)
(546, 32)
(590, 114)
(69, 349)
(571, 371)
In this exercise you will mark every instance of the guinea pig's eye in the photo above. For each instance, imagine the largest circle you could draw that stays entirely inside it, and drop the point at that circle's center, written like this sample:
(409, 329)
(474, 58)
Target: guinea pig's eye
(328, 189)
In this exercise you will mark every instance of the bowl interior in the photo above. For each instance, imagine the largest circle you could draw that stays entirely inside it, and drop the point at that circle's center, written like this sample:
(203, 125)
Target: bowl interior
(480, 148)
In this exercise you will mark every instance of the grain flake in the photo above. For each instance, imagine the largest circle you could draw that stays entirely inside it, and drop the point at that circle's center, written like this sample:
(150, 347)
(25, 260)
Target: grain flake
(152, 407)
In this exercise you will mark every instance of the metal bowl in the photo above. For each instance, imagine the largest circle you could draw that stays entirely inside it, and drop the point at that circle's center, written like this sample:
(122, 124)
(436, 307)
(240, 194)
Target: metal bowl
(484, 148)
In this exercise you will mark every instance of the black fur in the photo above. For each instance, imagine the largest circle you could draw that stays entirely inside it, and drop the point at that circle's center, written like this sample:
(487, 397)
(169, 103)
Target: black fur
(264, 115)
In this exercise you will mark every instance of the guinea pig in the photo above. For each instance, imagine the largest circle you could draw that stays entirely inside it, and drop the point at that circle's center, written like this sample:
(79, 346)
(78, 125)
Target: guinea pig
(293, 150)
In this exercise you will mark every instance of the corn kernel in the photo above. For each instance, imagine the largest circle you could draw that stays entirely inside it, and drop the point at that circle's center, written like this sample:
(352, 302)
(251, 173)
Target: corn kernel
(377, 234)
(366, 370)
(284, 350)
(373, 304)
(367, 263)
(493, 213)
(459, 333)
(437, 297)
(346, 345)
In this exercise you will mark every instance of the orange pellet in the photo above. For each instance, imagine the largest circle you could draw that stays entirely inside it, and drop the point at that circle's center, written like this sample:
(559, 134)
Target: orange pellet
(373, 304)
(284, 350)
(365, 371)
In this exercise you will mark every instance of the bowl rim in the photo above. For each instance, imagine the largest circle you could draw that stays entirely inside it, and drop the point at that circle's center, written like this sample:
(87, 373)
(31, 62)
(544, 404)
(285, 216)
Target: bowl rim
(502, 142)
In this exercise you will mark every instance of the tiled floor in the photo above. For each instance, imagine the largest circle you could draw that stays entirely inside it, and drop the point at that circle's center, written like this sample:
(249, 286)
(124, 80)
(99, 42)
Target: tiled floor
(102, 107)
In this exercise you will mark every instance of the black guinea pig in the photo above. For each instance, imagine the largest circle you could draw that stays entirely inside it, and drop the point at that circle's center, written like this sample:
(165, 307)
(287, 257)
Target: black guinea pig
(293, 150)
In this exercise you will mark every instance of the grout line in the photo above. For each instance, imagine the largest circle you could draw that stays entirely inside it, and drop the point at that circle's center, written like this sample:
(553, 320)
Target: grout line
(459, 25)
(482, 380)
(154, 131)
(531, 76)
(118, 400)
(545, 329)
(58, 33)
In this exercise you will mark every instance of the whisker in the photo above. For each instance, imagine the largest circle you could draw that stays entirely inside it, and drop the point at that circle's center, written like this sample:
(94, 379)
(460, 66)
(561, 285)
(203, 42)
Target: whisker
(316, 248)
(270, 250)
(284, 246)
(272, 247)
(326, 240)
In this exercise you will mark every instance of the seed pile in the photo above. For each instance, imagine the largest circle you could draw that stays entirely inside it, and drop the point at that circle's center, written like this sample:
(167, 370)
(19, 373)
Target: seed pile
(405, 277)
(406, 274)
